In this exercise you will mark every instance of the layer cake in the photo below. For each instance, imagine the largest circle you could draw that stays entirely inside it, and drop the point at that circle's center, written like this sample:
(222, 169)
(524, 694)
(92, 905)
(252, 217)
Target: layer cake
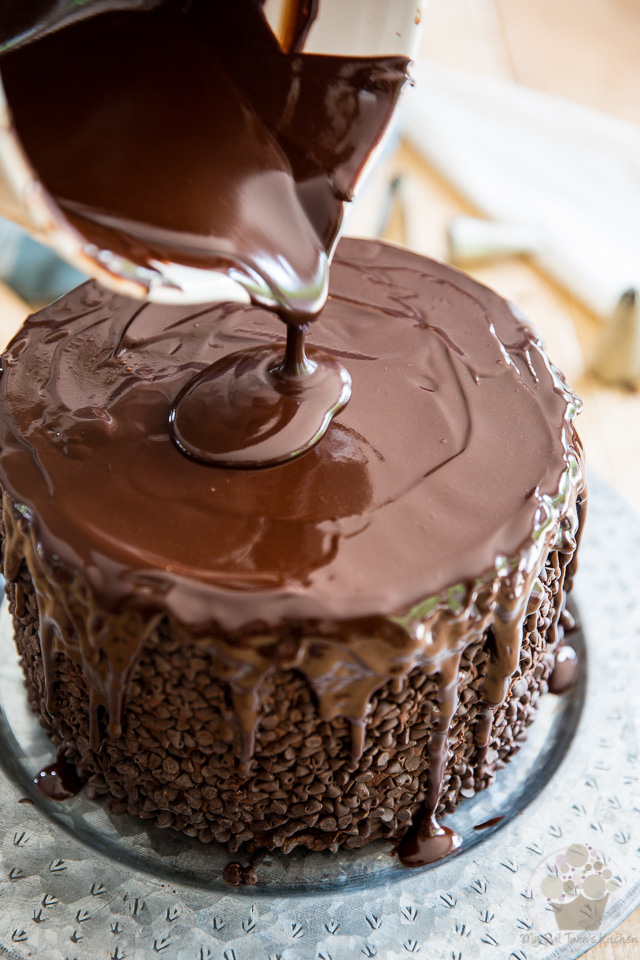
(317, 654)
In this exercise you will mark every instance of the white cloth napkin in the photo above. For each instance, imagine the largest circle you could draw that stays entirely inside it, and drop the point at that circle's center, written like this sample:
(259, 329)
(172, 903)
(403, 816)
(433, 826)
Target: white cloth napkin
(535, 160)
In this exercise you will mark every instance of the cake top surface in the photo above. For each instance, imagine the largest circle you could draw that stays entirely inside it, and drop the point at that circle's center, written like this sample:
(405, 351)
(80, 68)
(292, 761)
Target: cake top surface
(457, 430)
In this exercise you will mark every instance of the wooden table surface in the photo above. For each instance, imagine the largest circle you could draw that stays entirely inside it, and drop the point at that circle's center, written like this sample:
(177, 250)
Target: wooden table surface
(587, 50)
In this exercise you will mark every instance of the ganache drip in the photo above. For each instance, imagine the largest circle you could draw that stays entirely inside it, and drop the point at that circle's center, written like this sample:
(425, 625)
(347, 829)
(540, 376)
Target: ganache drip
(324, 663)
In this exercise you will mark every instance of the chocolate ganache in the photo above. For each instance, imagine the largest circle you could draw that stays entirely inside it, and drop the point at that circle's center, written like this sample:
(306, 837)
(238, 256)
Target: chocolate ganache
(437, 509)
(186, 133)
(190, 134)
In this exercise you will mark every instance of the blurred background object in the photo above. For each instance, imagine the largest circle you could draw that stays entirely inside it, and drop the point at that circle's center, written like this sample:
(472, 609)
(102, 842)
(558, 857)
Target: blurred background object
(33, 271)
(541, 163)
(617, 359)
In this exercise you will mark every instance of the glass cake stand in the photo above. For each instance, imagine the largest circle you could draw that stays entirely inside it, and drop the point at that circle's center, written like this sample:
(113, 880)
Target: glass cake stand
(78, 883)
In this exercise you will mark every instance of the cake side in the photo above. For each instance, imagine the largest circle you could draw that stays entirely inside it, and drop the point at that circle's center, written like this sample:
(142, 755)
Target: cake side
(175, 762)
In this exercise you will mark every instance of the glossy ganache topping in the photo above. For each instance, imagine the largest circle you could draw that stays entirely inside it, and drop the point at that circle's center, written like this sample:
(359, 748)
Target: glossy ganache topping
(456, 431)
(191, 134)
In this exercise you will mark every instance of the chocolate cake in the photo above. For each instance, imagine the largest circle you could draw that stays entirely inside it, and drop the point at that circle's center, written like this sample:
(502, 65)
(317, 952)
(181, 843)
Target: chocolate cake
(315, 654)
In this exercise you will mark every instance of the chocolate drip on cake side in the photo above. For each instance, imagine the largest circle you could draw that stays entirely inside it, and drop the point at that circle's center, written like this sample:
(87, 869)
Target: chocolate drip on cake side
(567, 663)
(565, 671)
(368, 662)
(192, 135)
(521, 599)
(291, 572)
(514, 596)
(59, 781)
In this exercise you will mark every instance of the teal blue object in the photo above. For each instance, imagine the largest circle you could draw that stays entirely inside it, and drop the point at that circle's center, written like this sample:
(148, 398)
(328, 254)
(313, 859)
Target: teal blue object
(35, 273)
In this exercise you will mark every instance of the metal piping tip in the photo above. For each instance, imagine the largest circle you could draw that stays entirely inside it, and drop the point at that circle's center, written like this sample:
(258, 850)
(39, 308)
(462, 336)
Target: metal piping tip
(617, 358)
